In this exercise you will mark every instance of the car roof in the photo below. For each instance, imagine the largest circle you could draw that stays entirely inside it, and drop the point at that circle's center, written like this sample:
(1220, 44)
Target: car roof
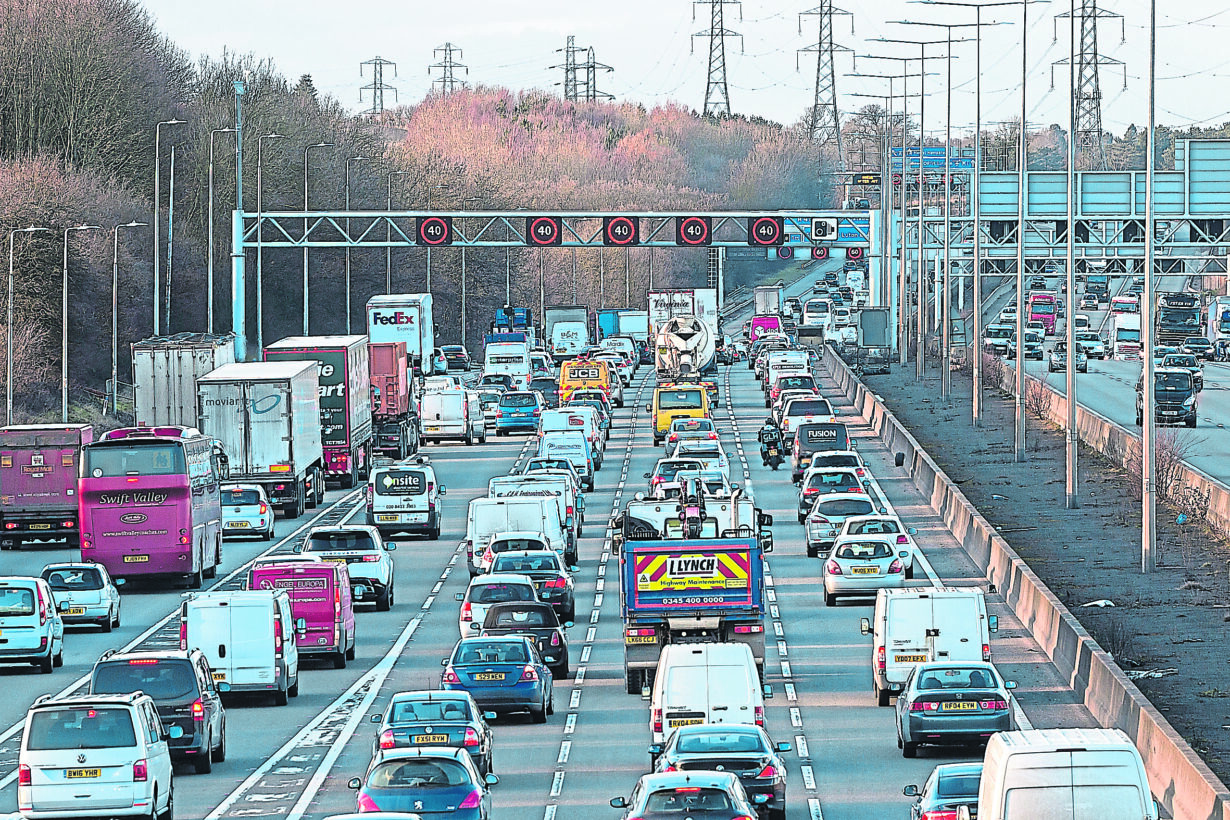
(430, 694)
(526, 554)
(509, 534)
(48, 702)
(674, 780)
(502, 578)
(336, 528)
(505, 605)
(408, 752)
(824, 499)
(240, 486)
(72, 565)
(150, 654)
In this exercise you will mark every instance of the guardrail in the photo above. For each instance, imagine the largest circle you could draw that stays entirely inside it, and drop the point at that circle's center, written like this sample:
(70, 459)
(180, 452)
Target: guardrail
(1181, 782)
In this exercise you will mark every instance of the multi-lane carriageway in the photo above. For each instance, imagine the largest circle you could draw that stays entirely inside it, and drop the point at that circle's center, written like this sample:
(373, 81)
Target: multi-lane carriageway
(293, 762)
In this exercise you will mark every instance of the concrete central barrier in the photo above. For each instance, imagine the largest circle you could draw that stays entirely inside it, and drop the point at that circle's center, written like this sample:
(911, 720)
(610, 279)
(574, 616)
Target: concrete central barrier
(1181, 782)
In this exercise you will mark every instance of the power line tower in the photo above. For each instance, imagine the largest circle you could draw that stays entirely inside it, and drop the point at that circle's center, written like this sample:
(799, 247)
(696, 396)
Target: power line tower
(591, 68)
(717, 96)
(377, 85)
(447, 82)
(1088, 89)
(825, 125)
(570, 69)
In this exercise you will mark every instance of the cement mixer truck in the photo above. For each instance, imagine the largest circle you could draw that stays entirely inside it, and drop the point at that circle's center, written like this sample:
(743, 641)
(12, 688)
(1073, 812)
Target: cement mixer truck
(686, 348)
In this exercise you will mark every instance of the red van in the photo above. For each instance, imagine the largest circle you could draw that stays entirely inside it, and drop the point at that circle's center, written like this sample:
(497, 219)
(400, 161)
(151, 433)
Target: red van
(320, 604)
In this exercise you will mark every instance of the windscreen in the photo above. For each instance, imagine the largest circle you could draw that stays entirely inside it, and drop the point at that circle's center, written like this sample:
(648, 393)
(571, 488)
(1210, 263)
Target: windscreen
(408, 711)
(80, 727)
(16, 602)
(720, 742)
(418, 774)
(687, 800)
(499, 593)
(67, 580)
(844, 507)
(809, 407)
(546, 562)
(679, 399)
(517, 400)
(160, 679)
(331, 541)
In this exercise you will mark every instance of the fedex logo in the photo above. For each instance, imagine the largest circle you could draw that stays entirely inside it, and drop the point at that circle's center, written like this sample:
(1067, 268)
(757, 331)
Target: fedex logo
(395, 318)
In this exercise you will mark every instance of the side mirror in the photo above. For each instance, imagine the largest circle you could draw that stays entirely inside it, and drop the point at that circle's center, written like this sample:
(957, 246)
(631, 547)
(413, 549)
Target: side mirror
(648, 410)
(912, 531)
(459, 596)
(781, 747)
(490, 779)
(301, 624)
(375, 718)
(444, 661)
(645, 475)
(442, 490)
(298, 548)
(963, 813)
(175, 732)
(619, 803)
(655, 749)
(568, 624)
(1009, 684)
(768, 691)
(223, 687)
(765, 519)
(883, 510)
(993, 622)
(475, 625)
(119, 582)
(760, 799)
(910, 791)
(389, 546)
(354, 783)
(489, 715)
(864, 626)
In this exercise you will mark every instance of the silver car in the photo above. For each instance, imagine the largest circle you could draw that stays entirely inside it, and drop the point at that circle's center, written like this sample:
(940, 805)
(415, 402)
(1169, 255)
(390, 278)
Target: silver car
(246, 511)
(84, 593)
(861, 565)
(953, 703)
(1058, 359)
(827, 516)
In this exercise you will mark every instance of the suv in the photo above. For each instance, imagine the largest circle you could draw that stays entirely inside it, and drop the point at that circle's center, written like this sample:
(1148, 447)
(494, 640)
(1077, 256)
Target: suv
(183, 691)
(366, 555)
(100, 754)
(1174, 397)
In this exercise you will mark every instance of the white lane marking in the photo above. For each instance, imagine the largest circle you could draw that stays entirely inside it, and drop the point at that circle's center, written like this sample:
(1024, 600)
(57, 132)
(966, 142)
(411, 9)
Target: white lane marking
(791, 694)
(786, 673)
(575, 700)
(431, 599)
(570, 724)
(598, 600)
(557, 784)
(593, 616)
(602, 569)
(781, 649)
(796, 717)
(813, 808)
(585, 653)
(809, 778)
(579, 677)
(374, 679)
(436, 588)
(599, 586)
(772, 594)
(800, 746)
(549, 814)
(565, 749)
(774, 613)
(777, 629)
(589, 634)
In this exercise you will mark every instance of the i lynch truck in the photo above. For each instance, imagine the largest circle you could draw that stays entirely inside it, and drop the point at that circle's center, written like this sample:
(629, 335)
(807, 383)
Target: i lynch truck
(38, 482)
(164, 374)
(688, 591)
(405, 317)
(267, 416)
(345, 399)
(565, 330)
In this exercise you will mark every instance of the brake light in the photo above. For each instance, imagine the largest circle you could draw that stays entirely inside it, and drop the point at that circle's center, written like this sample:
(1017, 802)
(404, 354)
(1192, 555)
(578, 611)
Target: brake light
(198, 710)
(558, 583)
(183, 634)
(895, 567)
(817, 518)
(924, 707)
(811, 492)
(140, 771)
(471, 738)
(366, 804)
(386, 739)
(713, 436)
(753, 629)
(759, 715)
(10, 525)
(880, 658)
(472, 801)
(901, 539)
(528, 674)
(23, 775)
(832, 568)
(642, 632)
(42, 609)
(183, 539)
(264, 508)
(657, 720)
(555, 639)
(767, 772)
(68, 524)
(939, 814)
(277, 637)
(568, 510)
(986, 652)
(466, 614)
(371, 558)
(143, 662)
(450, 676)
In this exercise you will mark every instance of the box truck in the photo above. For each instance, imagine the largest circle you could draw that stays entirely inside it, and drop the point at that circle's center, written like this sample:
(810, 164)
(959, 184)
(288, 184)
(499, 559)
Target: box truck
(405, 317)
(164, 374)
(38, 482)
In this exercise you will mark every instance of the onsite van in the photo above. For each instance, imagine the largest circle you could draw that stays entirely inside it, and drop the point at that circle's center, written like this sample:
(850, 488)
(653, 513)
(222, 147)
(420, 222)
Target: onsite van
(249, 638)
(452, 414)
(320, 601)
(921, 624)
(1063, 774)
(812, 438)
(405, 498)
(678, 402)
(705, 683)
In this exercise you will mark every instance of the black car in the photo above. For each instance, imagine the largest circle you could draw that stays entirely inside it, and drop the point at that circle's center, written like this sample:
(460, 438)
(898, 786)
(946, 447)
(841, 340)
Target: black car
(549, 389)
(949, 787)
(551, 579)
(1198, 346)
(432, 718)
(456, 357)
(740, 749)
(532, 620)
(184, 692)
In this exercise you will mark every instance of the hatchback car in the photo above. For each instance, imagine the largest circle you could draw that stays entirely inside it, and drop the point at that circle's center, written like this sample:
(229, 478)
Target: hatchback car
(1089, 302)
(497, 381)
(486, 590)
(695, 795)
(946, 703)
(884, 524)
(551, 580)
(431, 718)
(709, 453)
(1058, 358)
(826, 481)
(828, 514)
(31, 623)
(1092, 344)
(431, 781)
(518, 411)
(534, 620)
(1198, 346)
(682, 429)
(95, 754)
(456, 357)
(366, 555)
(667, 468)
(862, 565)
(84, 593)
(950, 786)
(246, 511)
(548, 388)
(744, 751)
(489, 400)
(504, 674)
(183, 691)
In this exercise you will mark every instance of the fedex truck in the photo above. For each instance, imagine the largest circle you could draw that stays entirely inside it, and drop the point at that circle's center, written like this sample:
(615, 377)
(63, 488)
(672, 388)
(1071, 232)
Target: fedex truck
(405, 317)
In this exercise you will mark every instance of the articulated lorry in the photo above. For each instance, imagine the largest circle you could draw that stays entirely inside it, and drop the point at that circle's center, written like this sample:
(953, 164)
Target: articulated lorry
(1217, 319)
(394, 418)
(38, 482)
(565, 330)
(164, 374)
(1177, 318)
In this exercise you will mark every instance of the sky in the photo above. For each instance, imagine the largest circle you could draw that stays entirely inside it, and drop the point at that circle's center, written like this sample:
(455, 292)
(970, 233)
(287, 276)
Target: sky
(656, 60)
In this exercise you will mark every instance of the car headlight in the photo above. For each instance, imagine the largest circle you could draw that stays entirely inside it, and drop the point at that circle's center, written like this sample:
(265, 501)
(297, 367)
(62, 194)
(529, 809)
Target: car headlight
(1189, 401)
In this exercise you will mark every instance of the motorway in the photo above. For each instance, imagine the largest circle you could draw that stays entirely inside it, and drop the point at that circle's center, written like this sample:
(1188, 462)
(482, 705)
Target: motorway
(294, 761)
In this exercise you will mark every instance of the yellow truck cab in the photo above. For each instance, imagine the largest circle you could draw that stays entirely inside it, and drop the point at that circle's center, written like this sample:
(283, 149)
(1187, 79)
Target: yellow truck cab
(670, 402)
(583, 374)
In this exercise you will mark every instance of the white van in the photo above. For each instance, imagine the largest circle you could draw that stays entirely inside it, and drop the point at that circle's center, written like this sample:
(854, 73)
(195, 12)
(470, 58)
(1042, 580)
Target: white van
(489, 516)
(573, 419)
(30, 622)
(920, 624)
(1063, 774)
(576, 448)
(557, 488)
(705, 683)
(452, 414)
(248, 636)
(405, 498)
(510, 359)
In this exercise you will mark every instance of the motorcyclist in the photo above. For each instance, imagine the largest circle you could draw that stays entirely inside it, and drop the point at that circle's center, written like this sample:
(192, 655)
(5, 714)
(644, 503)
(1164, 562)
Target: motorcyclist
(769, 436)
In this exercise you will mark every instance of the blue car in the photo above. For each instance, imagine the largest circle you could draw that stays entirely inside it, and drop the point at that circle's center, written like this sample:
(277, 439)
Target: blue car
(426, 781)
(502, 674)
(518, 410)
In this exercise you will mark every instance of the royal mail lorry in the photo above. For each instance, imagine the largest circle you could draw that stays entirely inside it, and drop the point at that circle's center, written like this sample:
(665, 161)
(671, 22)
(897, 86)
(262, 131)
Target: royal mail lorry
(688, 591)
(38, 482)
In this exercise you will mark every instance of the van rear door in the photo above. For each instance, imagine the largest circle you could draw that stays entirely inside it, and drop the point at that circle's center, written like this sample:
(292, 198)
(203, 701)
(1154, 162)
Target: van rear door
(252, 635)
(730, 699)
(959, 627)
(686, 696)
(907, 619)
(209, 629)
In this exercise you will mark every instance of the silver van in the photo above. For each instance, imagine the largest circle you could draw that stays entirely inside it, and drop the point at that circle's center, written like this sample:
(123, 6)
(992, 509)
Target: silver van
(405, 498)
(452, 414)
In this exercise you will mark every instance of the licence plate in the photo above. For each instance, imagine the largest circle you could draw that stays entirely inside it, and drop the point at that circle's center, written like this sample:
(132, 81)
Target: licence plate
(772, 452)
(958, 706)
(74, 610)
(910, 658)
(219, 675)
(73, 774)
(433, 429)
(865, 571)
(429, 739)
(673, 722)
(640, 639)
(43, 527)
(237, 524)
(387, 518)
(337, 560)
(136, 559)
(489, 676)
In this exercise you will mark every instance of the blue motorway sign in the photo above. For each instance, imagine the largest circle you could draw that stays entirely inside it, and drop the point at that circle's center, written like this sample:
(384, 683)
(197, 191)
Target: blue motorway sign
(932, 160)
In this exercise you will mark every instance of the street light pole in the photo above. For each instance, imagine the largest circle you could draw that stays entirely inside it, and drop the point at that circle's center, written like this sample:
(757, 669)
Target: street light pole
(358, 158)
(260, 230)
(209, 261)
(1072, 472)
(239, 318)
(429, 190)
(306, 297)
(115, 310)
(170, 244)
(157, 205)
(1022, 196)
(8, 391)
(64, 324)
(1148, 428)
(388, 236)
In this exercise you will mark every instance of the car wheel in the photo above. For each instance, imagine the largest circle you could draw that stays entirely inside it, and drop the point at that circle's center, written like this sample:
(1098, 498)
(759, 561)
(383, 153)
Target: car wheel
(46, 664)
(812, 552)
(105, 623)
(632, 681)
(830, 600)
(57, 660)
(116, 623)
(561, 671)
(384, 602)
(882, 696)
(909, 750)
(293, 691)
(219, 754)
(909, 573)
(778, 813)
(433, 533)
(204, 763)
(281, 698)
(169, 812)
(539, 715)
(551, 703)
(350, 653)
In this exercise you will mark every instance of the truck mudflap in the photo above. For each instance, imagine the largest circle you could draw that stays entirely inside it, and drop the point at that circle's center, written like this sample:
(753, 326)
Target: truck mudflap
(643, 641)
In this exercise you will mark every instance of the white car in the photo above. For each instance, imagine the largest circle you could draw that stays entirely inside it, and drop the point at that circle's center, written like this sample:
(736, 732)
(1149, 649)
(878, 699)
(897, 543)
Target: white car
(884, 524)
(84, 593)
(709, 453)
(680, 429)
(30, 622)
(618, 363)
(861, 565)
(489, 589)
(366, 556)
(246, 511)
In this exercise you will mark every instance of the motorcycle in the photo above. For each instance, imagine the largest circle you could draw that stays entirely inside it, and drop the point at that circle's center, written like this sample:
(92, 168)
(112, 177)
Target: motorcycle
(771, 454)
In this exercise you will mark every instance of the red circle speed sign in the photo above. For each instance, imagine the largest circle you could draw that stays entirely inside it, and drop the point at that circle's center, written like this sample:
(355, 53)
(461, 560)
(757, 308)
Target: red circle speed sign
(820, 253)
(854, 253)
(435, 230)
(621, 230)
(544, 230)
(693, 230)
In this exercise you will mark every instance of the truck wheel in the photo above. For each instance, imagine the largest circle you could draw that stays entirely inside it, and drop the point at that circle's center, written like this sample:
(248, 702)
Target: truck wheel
(348, 479)
(339, 660)
(632, 681)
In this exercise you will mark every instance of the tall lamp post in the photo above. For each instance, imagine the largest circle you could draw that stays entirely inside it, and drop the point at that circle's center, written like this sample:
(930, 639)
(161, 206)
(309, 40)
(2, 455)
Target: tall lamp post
(306, 297)
(8, 385)
(1148, 518)
(358, 158)
(260, 230)
(209, 260)
(388, 236)
(115, 309)
(64, 324)
(157, 206)
(464, 204)
(429, 190)
(239, 318)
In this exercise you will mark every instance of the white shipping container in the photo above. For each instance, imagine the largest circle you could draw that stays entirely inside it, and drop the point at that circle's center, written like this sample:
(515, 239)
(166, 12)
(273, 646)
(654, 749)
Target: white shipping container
(165, 370)
(403, 317)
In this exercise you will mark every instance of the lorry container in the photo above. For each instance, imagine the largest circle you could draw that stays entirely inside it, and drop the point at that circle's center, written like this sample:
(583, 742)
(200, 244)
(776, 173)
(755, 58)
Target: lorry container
(267, 416)
(606, 323)
(1125, 336)
(395, 420)
(1218, 319)
(345, 399)
(565, 330)
(665, 304)
(164, 374)
(405, 317)
(38, 482)
(767, 300)
(688, 591)
(1177, 318)
(634, 323)
(706, 301)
